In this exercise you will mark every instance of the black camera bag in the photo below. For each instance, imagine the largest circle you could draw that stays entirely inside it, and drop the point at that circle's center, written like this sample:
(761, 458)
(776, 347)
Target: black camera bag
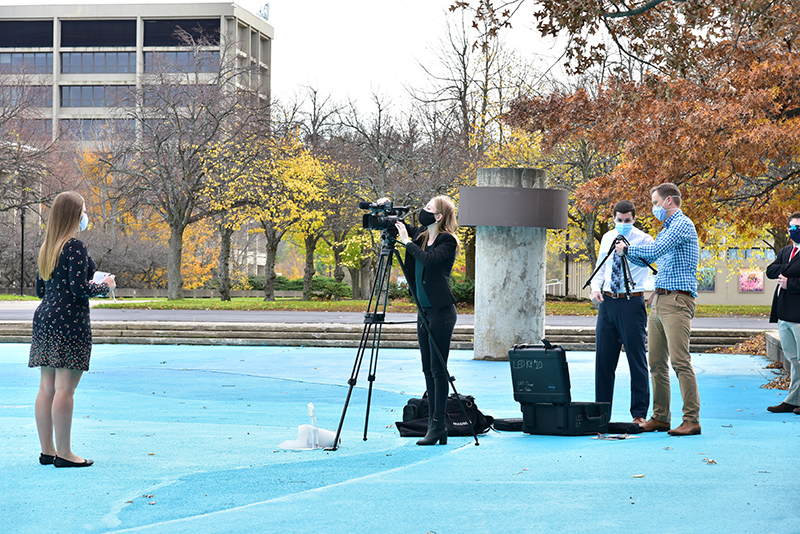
(415, 417)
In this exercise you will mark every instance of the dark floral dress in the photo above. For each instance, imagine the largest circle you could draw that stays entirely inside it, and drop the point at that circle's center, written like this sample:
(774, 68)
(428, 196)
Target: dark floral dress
(62, 333)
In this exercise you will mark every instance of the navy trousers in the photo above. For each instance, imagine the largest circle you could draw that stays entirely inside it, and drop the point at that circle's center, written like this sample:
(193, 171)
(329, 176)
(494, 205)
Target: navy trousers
(622, 322)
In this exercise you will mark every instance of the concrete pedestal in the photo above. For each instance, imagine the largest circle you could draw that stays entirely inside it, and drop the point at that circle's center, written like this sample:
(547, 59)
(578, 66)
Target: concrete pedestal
(510, 274)
(511, 255)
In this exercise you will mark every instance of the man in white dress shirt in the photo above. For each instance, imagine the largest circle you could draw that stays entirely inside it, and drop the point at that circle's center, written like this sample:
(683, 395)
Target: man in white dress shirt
(622, 316)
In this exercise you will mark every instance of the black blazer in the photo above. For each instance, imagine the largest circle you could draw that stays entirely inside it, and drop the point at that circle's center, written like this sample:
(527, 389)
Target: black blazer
(437, 261)
(786, 303)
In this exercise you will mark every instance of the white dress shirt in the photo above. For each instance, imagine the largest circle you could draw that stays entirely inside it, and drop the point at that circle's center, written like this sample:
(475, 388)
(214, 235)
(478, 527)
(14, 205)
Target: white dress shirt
(602, 279)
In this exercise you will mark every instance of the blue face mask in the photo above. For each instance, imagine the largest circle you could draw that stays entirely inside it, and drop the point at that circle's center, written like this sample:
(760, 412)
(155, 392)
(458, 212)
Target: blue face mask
(84, 222)
(794, 233)
(660, 213)
(623, 228)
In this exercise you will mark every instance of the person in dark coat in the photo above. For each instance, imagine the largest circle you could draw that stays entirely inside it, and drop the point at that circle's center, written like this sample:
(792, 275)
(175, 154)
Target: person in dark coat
(786, 311)
(61, 343)
(431, 250)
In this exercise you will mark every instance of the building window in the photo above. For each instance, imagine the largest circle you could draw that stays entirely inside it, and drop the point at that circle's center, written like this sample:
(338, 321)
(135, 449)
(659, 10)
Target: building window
(98, 62)
(43, 95)
(166, 32)
(26, 34)
(92, 96)
(751, 253)
(181, 61)
(88, 129)
(27, 96)
(27, 62)
(43, 128)
(98, 33)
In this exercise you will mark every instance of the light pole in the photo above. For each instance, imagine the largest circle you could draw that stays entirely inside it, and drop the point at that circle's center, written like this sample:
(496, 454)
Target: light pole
(22, 252)
(566, 266)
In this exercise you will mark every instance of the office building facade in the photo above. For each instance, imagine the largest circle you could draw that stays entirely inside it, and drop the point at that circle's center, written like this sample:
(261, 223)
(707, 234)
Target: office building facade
(83, 60)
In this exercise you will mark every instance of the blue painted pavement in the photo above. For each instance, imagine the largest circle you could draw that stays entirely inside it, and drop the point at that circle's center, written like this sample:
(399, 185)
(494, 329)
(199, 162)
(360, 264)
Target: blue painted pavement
(185, 439)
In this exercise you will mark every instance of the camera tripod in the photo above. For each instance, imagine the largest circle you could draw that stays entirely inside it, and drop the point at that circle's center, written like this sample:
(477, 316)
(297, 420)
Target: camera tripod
(627, 277)
(374, 319)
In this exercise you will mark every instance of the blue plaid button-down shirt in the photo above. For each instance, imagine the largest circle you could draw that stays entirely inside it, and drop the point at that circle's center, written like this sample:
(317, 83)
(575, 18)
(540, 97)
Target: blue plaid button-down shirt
(676, 251)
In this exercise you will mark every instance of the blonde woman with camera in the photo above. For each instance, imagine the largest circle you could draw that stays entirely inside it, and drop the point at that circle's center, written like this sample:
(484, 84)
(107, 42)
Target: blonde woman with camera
(431, 251)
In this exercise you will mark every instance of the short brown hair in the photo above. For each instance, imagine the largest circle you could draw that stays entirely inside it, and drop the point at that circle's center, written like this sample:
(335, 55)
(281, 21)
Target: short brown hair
(668, 189)
(625, 206)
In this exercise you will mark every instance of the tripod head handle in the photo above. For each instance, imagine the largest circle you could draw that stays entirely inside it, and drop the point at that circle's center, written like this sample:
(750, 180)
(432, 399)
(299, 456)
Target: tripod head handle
(620, 238)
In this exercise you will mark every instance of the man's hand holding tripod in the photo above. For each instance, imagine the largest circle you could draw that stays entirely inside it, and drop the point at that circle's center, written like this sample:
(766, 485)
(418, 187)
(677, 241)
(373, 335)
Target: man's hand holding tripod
(619, 246)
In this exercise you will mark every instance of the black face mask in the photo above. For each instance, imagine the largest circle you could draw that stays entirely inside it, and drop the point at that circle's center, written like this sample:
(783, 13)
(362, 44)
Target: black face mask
(426, 218)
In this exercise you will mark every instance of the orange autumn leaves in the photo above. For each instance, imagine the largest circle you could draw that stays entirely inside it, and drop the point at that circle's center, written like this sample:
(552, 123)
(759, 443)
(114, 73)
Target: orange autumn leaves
(732, 147)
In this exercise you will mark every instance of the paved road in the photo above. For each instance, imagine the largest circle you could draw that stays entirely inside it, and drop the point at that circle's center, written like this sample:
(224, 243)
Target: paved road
(23, 310)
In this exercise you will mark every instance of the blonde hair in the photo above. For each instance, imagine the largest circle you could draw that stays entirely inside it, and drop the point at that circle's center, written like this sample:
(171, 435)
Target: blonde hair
(64, 223)
(447, 224)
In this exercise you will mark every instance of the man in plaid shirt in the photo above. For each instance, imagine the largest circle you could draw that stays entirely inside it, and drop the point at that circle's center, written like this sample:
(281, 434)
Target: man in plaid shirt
(669, 324)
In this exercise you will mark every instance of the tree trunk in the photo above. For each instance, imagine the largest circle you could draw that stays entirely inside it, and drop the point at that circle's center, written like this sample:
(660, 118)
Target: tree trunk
(310, 242)
(225, 234)
(338, 247)
(338, 271)
(366, 278)
(272, 239)
(589, 220)
(354, 282)
(174, 275)
(469, 254)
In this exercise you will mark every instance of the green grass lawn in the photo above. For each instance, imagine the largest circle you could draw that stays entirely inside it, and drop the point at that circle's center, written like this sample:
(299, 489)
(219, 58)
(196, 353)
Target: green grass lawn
(17, 297)
(398, 306)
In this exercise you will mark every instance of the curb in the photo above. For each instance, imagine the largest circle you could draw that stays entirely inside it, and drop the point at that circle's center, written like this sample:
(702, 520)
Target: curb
(322, 335)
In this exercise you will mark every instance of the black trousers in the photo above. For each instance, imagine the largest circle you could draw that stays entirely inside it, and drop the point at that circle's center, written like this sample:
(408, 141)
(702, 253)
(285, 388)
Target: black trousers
(622, 321)
(441, 321)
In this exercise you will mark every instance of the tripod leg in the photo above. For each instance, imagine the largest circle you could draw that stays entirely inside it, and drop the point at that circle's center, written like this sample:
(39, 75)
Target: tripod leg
(352, 382)
(369, 337)
(382, 277)
(599, 266)
(373, 364)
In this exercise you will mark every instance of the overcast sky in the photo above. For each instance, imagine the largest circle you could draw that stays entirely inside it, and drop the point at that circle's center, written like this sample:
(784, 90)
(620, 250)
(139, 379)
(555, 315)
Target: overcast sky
(350, 48)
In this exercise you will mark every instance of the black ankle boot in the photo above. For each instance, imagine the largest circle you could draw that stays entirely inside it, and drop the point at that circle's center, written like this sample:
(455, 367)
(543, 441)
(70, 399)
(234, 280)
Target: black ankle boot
(437, 431)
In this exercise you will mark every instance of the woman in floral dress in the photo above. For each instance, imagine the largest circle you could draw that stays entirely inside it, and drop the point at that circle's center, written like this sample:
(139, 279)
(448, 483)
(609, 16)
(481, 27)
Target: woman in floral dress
(61, 343)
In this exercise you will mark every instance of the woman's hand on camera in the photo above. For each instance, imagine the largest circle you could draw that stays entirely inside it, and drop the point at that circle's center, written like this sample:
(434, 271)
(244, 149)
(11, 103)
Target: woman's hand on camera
(382, 200)
(112, 283)
(401, 230)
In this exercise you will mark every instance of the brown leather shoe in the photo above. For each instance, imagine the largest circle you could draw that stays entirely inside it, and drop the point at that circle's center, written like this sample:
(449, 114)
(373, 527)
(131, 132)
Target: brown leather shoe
(782, 408)
(797, 410)
(639, 421)
(654, 425)
(687, 428)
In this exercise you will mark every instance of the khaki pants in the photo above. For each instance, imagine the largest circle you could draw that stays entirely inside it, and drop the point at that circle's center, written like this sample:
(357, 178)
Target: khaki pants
(668, 330)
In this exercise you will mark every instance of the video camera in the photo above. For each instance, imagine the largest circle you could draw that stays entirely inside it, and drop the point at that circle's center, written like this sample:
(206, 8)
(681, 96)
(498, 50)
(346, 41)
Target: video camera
(382, 216)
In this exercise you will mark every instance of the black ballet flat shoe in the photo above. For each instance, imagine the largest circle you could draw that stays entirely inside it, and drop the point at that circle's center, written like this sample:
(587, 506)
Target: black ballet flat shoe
(61, 462)
(46, 459)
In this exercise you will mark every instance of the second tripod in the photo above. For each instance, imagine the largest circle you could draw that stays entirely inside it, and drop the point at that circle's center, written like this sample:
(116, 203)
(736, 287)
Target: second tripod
(627, 278)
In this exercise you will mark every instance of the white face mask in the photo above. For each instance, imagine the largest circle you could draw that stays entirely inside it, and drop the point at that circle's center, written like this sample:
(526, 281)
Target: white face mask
(84, 222)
